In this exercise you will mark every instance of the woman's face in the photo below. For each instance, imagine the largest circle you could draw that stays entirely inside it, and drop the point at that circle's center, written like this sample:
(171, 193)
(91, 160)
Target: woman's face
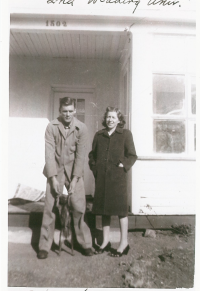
(112, 120)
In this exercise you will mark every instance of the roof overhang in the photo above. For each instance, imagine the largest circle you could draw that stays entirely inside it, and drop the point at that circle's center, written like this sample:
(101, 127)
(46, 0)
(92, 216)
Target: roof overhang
(103, 23)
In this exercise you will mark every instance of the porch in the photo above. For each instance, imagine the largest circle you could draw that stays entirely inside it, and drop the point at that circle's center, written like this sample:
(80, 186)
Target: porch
(25, 218)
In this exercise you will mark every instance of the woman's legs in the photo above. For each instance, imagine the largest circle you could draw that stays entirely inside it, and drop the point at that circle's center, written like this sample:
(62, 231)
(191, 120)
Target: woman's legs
(106, 230)
(123, 221)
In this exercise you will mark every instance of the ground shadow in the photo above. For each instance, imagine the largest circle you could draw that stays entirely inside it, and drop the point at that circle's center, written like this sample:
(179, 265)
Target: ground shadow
(32, 218)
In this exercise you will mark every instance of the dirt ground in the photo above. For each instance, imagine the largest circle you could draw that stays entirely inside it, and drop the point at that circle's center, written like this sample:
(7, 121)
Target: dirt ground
(165, 261)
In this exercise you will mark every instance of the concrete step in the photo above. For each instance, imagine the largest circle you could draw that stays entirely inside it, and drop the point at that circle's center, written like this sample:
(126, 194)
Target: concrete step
(29, 214)
(26, 235)
(23, 235)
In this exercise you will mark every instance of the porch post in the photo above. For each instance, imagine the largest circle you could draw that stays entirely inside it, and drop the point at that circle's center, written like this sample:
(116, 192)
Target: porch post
(141, 68)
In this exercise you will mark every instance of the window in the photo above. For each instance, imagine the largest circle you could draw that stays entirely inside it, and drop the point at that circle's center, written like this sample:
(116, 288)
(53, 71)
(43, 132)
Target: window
(174, 109)
(80, 109)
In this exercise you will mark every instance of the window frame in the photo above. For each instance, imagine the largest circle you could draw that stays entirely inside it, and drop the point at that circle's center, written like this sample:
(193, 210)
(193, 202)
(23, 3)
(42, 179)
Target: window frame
(188, 117)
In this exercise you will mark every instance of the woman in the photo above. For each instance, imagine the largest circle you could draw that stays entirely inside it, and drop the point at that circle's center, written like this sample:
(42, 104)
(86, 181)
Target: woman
(113, 154)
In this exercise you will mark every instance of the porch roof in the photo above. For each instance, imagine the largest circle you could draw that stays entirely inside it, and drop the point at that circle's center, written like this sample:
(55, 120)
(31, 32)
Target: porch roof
(88, 34)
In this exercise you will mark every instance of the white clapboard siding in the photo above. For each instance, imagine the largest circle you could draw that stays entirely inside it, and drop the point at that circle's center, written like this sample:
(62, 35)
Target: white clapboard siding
(172, 210)
(163, 187)
(174, 50)
(168, 202)
(165, 193)
(170, 186)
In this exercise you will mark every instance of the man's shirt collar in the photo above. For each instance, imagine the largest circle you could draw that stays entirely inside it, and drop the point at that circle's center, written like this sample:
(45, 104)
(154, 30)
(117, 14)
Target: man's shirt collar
(75, 123)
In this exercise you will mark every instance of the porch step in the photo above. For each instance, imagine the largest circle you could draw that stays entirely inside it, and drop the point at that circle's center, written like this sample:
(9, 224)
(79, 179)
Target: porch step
(24, 213)
(29, 214)
(31, 236)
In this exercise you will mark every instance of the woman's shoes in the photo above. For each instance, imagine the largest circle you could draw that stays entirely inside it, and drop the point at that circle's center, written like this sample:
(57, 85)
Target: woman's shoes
(115, 253)
(99, 250)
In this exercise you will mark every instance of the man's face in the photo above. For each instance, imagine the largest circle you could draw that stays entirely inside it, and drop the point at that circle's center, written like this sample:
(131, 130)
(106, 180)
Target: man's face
(67, 113)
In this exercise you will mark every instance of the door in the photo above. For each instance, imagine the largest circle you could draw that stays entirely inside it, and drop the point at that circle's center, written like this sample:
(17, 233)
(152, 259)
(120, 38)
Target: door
(86, 113)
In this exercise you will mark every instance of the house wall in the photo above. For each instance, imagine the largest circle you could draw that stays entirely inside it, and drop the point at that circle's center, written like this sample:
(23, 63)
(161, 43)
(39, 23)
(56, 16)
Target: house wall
(31, 80)
(30, 107)
(163, 187)
(161, 183)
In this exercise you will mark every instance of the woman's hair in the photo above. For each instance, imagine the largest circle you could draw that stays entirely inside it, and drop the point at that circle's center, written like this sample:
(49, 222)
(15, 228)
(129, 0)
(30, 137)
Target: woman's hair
(119, 115)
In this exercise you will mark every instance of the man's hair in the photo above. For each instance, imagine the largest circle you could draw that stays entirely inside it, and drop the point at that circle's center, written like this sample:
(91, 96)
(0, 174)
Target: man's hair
(66, 101)
(119, 115)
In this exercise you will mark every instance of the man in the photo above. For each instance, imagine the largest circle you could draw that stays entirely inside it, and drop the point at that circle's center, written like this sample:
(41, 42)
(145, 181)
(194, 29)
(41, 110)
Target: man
(65, 148)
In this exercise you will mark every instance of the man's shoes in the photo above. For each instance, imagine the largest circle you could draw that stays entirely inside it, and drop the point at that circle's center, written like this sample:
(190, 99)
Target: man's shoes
(88, 252)
(42, 254)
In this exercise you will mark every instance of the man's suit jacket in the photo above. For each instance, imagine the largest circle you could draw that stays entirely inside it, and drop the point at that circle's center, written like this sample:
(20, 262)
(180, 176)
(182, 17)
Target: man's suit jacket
(65, 153)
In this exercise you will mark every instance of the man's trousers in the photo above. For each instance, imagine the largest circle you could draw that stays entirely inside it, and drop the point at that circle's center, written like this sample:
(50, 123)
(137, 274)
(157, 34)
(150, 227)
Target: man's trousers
(78, 204)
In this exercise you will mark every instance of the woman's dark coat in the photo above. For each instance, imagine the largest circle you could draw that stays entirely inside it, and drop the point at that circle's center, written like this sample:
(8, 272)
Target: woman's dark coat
(110, 180)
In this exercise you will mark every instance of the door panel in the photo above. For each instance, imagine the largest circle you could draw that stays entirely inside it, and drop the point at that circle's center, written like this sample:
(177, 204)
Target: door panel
(86, 113)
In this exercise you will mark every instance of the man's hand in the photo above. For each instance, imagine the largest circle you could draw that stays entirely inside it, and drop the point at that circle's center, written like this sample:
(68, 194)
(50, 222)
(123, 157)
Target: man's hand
(120, 165)
(55, 185)
(72, 185)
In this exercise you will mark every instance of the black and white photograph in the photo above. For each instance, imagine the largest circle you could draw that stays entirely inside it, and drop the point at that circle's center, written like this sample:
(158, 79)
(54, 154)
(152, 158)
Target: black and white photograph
(101, 175)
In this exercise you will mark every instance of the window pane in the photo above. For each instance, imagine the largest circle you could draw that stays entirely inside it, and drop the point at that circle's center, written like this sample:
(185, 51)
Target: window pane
(80, 109)
(80, 106)
(168, 94)
(193, 99)
(169, 136)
